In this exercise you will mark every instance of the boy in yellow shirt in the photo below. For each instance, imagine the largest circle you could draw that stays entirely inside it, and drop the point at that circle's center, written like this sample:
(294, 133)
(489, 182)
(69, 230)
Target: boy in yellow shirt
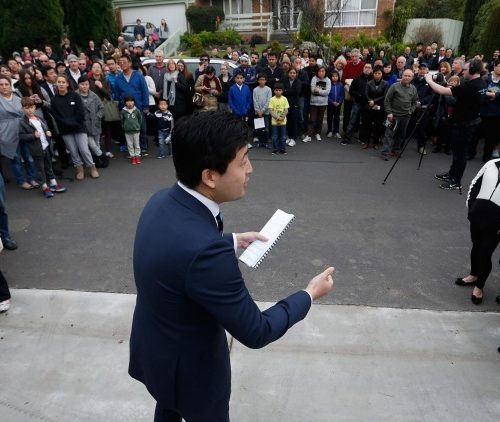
(278, 107)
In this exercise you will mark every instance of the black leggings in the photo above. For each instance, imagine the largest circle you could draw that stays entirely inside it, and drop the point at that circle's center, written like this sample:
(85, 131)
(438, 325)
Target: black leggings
(4, 288)
(484, 243)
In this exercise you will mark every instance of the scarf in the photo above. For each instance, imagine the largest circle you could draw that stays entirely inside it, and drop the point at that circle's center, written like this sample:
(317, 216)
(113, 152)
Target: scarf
(207, 83)
(169, 76)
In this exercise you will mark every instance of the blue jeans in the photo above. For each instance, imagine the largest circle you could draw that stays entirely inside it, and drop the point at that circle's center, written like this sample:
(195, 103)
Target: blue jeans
(353, 120)
(4, 222)
(17, 165)
(164, 139)
(279, 136)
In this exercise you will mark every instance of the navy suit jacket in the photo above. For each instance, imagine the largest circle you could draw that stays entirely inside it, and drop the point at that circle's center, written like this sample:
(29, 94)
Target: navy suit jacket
(189, 289)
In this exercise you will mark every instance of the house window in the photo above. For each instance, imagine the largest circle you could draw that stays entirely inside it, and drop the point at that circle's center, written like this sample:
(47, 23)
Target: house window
(340, 13)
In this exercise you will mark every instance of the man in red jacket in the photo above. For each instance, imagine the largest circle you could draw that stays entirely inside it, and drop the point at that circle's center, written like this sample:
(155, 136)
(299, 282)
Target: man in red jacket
(353, 68)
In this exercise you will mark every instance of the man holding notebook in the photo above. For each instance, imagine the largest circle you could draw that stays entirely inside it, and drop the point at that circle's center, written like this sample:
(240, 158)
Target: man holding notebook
(189, 286)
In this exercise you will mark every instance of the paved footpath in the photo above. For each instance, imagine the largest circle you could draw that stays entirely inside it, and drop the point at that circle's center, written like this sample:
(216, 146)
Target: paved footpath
(65, 355)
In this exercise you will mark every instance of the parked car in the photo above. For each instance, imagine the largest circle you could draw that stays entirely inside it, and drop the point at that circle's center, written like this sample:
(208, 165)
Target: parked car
(128, 31)
(193, 63)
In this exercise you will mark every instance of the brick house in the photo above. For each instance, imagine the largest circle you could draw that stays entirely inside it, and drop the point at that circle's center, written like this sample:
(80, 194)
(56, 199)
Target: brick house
(267, 17)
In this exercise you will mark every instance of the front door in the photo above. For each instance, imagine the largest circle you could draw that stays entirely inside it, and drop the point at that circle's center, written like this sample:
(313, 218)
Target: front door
(285, 14)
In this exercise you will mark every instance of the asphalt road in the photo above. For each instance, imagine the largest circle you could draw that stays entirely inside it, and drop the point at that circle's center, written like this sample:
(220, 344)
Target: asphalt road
(398, 245)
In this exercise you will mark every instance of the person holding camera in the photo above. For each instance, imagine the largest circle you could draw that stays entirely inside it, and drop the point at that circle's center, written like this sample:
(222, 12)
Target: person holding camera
(465, 120)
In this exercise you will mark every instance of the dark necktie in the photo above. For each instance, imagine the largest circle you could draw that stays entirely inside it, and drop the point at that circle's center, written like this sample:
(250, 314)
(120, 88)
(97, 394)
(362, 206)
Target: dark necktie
(220, 224)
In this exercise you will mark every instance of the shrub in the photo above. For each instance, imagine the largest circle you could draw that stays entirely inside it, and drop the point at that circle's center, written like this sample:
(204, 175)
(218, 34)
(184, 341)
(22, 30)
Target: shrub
(256, 39)
(204, 18)
(428, 32)
(210, 39)
(196, 46)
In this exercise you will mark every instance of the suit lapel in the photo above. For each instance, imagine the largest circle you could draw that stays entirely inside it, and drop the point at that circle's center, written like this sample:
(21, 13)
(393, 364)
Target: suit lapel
(189, 201)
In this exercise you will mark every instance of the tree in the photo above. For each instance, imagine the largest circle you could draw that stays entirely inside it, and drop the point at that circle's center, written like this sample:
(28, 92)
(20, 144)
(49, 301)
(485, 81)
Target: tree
(31, 23)
(481, 23)
(470, 11)
(489, 39)
(89, 20)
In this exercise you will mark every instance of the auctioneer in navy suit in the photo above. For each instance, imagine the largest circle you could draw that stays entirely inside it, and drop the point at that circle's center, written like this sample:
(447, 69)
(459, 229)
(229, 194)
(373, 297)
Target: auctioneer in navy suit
(189, 289)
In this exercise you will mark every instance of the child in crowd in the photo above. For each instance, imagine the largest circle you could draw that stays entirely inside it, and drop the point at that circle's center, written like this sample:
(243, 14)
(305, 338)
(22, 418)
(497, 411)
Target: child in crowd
(165, 124)
(94, 112)
(34, 131)
(261, 96)
(278, 107)
(239, 97)
(335, 100)
(131, 122)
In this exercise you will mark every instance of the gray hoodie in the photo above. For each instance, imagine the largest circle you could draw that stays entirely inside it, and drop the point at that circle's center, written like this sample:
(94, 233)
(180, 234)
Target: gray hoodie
(94, 112)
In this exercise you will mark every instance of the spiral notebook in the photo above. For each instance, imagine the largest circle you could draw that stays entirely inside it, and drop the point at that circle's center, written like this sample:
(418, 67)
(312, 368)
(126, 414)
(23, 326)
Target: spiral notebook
(273, 230)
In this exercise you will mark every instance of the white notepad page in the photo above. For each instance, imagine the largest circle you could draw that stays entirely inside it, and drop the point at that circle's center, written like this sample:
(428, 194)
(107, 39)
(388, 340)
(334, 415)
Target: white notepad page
(273, 229)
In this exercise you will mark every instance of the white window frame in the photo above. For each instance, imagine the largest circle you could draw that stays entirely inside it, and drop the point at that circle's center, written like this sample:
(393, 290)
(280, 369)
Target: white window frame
(340, 22)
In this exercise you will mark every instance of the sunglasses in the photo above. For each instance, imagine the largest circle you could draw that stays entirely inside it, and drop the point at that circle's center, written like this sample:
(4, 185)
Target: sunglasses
(203, 60)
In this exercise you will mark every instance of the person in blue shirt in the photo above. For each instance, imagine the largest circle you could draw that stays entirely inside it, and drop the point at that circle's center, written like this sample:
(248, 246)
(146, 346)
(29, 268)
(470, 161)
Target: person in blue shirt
(335, 100)
(239, 98)
(132, 82)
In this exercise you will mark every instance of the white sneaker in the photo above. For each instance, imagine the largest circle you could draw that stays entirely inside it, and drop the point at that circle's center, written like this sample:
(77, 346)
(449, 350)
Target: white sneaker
(288, 141)
(255, 140)
(329, 134)
(318, 137)
(306, 139)
(292, 143)
(422, 151)
(5, 305)
(249, 145)
(110, 155)
(337, 135)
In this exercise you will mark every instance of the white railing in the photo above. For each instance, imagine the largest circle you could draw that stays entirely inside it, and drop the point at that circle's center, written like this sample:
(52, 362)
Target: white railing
(171, 45)
(247, 22)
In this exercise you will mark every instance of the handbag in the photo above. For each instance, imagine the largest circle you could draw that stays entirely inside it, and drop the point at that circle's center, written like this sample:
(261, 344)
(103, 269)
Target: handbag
(198, 99)
(111, 112)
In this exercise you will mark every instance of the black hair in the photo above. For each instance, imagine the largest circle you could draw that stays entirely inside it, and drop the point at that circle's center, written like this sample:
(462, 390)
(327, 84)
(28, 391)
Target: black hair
(45, 70)
(378, 69)
(272, 53)
(278, 85)
(163, 100)
(83, 78)
(261, 75)
(496, 62)
(335, 72)
(313, 56)
(128, 98)
(208, 140)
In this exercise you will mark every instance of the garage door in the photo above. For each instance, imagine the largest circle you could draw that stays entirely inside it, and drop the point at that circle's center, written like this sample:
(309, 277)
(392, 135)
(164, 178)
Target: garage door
(175, 14)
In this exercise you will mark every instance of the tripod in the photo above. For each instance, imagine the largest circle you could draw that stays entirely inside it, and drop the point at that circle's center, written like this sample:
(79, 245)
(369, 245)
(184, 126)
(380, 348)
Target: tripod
(407, 139)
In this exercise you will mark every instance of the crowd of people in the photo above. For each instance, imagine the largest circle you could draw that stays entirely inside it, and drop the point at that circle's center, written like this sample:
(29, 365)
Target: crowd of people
(70, 108)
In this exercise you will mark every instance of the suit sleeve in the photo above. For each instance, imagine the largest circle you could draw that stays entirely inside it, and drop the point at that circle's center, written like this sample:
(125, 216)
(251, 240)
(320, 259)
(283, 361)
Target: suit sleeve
(215, 282)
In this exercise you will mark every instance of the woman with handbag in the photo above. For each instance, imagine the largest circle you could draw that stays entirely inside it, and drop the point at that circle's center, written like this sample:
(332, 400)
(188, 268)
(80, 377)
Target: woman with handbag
(174, 90)
(101, 86)
(11, 113)
(208, 85)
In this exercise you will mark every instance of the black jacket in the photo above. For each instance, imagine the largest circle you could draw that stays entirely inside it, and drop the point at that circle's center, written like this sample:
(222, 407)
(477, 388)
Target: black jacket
(292, 92)
(69, 113)
(423, 89)
(358, 89)
(375, 91)
(27, 135)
